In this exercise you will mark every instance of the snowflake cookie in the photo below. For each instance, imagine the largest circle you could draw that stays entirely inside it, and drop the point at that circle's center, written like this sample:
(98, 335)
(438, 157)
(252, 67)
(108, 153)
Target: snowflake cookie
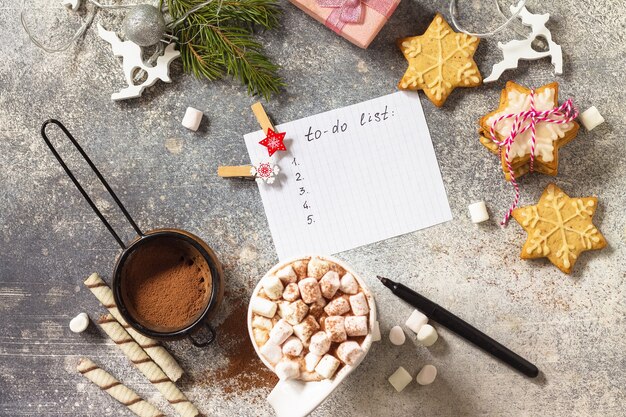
(439, 61)
(550, 136)
(559, 228)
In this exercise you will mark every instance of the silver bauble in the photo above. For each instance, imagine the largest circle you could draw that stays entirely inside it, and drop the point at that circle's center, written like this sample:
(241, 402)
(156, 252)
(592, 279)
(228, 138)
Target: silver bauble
(144, 25)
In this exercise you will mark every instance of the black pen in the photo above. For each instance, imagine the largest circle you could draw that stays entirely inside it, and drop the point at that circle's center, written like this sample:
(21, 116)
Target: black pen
(460, 327)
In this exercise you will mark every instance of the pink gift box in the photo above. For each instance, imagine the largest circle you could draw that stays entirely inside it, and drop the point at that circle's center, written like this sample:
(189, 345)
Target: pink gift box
(374, 15)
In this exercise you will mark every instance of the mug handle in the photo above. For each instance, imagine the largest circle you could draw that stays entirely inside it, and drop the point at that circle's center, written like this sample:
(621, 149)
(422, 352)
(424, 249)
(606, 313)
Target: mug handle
(206, 342)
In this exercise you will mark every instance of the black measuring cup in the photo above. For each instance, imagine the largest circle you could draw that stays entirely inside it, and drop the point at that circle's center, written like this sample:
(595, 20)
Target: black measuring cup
(143, 241)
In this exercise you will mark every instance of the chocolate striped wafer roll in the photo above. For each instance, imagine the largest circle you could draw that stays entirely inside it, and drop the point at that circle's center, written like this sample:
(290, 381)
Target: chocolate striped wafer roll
(158, 353)
(142, 361)
(116, 389)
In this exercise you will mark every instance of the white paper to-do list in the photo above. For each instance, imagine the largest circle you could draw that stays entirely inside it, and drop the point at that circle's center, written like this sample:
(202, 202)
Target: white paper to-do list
(352, 176)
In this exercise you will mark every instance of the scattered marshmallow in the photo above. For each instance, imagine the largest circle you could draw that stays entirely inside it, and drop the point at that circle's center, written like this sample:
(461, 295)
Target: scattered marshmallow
(478, 212)
(79, 323)
(427, 375)
(287, 369)
(359, 304)
(72, 5)
(317, 268)
(335, 328)
(350, 352)
(348, 284)
(272, 352)
(320, 343)
(280, 332)
(327, 366)
(292, 292)
(329, 284)
(397, 336)
(296, 312)
(309, 290)
(287, 275)
(260, 336)
(427, 336)
(192, 118)
(306, 328)
(273, 287)
(311, 360)
(337, 307)
(263, 307)
(263, 323)
(356, 325)
(376, 331)
(292, 346)
(591, 118)
(400, 379)
(416, 320)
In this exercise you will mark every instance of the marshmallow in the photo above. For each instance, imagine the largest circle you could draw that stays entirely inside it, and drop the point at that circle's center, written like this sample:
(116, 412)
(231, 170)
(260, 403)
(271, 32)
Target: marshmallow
(263, 323)
(591, 118)
(309, 290)
(280, 332)
(316, 309)
(327, 366)
(263, 307)
(329, 284)
(296, 312)
(375, 331)
(311, 360)
(396, 335)
(260, 336)
(192, 119)
(335, 328)
(283, 308)
(400, 379)
(349, 352)
(416, 321)
(320, 343)
(356, 325)
(337, 307)
(287, 275)
(427, 336)
(287, 369)
(478, 212)
(427, 375)
(359, 304)
(300, 268)
(348, 284)
(292, 292)
(271, 352)
(72, 5)
(306, 328)
(292, 346)
(317, 268)
(273, 287)
(79, 323)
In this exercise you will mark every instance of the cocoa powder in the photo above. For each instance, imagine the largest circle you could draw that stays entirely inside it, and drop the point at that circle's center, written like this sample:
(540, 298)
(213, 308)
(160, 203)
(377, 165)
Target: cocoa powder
(166, 284)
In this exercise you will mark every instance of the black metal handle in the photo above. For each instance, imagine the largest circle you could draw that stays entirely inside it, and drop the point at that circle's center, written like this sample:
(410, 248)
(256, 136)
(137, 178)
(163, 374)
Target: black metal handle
(80, 188)
(206, 342)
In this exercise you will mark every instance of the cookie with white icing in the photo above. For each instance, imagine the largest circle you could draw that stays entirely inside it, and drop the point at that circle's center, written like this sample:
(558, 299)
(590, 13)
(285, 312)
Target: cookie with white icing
(550, 136)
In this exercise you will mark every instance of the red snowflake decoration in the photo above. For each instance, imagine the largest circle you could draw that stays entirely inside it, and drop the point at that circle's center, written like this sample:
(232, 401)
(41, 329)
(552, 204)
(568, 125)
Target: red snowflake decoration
(274, 142)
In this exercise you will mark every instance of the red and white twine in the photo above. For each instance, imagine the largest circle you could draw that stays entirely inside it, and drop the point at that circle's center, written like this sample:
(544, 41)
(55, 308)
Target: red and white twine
(565, 113)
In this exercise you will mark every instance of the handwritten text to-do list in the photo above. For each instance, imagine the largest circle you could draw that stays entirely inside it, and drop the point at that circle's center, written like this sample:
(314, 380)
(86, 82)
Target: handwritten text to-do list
(352, 176)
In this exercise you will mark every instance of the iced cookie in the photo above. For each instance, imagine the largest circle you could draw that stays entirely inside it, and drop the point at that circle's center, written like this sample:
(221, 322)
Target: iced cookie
(549, 137)
(559, 228)
(439, 61)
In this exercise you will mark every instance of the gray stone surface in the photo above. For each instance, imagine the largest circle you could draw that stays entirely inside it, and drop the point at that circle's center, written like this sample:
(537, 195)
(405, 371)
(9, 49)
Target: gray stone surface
(572, 327)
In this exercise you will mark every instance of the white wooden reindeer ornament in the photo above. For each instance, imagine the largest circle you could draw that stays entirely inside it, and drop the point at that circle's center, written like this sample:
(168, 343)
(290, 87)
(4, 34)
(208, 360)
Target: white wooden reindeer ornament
(515, 50)
(132, 61)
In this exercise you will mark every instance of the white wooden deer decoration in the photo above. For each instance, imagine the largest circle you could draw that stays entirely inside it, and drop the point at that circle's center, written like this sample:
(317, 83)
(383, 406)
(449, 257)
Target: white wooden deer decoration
(515, 50)
(132, 61)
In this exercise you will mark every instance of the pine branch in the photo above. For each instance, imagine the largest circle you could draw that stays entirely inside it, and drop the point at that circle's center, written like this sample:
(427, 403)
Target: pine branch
(218, 40)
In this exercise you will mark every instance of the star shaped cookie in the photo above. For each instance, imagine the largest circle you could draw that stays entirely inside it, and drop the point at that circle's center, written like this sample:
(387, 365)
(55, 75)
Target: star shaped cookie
(439, 61)
(559, 228)
(549, 136)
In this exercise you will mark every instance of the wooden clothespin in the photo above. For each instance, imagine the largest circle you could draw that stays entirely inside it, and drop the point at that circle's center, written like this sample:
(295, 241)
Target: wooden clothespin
(245, 171)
